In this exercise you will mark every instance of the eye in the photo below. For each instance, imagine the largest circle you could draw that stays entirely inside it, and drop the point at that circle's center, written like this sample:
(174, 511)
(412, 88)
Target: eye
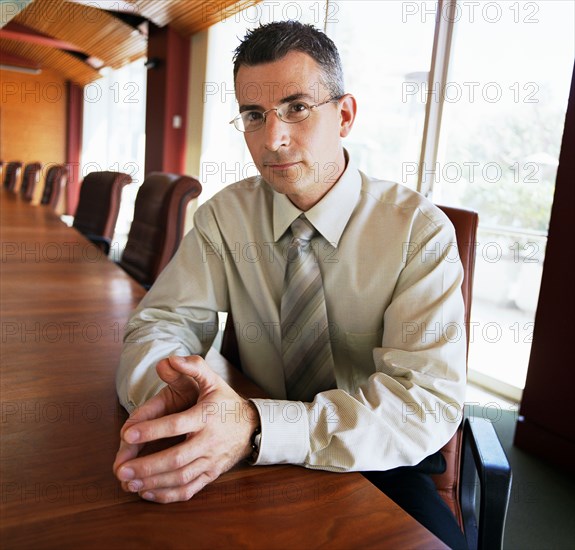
(252, 116)
(297, 107)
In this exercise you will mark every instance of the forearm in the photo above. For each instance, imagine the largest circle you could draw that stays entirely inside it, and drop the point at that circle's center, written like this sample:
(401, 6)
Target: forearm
(383, 427)
(178, 316)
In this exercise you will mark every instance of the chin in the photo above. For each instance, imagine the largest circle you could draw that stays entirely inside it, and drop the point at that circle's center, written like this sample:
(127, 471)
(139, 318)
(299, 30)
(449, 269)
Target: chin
(286, 181)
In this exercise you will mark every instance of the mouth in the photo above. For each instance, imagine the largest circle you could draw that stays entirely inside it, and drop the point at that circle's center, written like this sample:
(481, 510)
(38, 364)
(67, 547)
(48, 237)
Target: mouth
(279, 167)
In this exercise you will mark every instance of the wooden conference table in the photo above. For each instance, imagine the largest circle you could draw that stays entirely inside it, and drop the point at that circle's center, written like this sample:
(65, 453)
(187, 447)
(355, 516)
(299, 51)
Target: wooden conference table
(63, 308)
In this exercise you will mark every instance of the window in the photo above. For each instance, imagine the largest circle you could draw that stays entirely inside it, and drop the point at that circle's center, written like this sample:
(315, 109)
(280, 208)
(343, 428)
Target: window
(503, 117)
(502, 98)
(386, 57)
(114, 135)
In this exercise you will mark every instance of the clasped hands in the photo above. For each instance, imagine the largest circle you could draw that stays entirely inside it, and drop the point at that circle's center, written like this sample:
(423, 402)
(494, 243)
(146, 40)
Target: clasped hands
(217, 424)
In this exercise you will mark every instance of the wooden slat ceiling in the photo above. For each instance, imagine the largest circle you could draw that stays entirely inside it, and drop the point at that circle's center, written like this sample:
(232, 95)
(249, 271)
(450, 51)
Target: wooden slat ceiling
(67, 65)
(100, 34)
(97, 32)
(189, 16)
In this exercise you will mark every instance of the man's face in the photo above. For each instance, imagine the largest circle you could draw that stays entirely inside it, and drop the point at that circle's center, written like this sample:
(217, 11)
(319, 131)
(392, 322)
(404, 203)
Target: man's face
(301, 160)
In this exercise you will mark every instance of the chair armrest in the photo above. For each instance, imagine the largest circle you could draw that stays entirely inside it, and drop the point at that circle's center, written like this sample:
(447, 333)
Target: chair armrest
(103, 243)
(483, 453)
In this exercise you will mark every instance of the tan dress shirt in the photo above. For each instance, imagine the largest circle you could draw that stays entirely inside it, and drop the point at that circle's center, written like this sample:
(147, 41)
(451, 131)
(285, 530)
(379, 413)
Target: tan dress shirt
(392, 281)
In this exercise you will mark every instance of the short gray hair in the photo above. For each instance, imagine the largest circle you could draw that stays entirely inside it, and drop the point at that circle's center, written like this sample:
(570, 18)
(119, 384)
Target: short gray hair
(273, 41)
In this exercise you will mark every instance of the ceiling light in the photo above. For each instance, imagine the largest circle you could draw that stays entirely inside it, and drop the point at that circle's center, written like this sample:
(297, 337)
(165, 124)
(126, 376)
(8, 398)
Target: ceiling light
(27, 70)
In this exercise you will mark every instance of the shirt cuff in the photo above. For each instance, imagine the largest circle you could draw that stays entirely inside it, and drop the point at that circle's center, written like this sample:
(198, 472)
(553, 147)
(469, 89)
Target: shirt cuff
(285, 432)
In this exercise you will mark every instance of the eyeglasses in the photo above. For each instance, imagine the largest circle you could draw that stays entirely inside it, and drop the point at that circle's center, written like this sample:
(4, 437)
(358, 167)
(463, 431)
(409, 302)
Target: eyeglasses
(291, 112)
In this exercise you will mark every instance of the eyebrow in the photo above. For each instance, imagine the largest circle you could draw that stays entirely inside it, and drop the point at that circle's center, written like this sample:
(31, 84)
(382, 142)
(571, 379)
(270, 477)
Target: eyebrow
(288, 99)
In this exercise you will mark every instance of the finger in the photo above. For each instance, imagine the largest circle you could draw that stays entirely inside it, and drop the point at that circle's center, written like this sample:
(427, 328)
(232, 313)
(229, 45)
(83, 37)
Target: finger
(125, 453)
(171, 425)
(167, 480)
(179, 494)
(129, 449)
(158, 405)
(155, 407)
(161, 462)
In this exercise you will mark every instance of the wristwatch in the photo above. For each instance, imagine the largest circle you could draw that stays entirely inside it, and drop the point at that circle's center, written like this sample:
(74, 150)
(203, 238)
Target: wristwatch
(255, 441)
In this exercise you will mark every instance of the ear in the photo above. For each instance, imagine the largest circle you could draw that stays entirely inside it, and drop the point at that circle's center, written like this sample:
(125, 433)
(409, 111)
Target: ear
(348, 107)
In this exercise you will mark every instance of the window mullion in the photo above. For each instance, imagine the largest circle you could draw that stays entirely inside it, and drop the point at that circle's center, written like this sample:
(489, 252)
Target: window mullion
(440, 57)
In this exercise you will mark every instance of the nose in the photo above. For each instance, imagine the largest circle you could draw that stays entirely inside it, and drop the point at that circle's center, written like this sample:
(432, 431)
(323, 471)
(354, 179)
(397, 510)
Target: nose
(276, 131)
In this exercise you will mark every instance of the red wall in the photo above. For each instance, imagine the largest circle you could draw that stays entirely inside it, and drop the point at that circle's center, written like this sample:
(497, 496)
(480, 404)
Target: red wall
(167, 96)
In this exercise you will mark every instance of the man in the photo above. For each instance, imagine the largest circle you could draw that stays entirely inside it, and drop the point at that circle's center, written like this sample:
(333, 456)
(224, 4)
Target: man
(374, 383)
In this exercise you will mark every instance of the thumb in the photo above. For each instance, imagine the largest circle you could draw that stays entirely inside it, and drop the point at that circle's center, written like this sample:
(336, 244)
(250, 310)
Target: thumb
(195, 367)
(171, 373)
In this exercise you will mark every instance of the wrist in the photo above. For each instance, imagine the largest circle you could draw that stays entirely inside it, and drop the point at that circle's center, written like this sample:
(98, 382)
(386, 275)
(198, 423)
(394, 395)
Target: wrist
(253, 419)
(255, 445)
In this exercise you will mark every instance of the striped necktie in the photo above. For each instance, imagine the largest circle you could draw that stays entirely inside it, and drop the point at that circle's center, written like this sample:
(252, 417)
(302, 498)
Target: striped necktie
(306, 349)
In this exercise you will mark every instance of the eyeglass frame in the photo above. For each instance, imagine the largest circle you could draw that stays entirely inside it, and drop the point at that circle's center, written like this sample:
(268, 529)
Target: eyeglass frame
(276, 109)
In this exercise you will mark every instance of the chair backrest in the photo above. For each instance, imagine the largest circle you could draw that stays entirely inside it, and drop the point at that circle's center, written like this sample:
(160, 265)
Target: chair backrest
(11, 175)
(30, 178)
(99, 203)
(465, 223)
(56, 178)
(158, 224)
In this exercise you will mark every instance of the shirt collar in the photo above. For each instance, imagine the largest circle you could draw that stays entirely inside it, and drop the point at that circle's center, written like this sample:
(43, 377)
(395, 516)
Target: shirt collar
(330, 215)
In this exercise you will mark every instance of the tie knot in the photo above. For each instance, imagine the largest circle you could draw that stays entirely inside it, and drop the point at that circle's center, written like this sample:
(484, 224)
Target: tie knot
(302, 230)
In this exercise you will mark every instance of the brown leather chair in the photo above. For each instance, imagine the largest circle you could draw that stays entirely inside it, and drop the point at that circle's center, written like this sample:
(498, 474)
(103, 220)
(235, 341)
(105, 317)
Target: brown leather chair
(29, 180)
(11, 175)
(158, 224)
(98, 207)
(465, 223)
(55, 181)
(475, 447)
